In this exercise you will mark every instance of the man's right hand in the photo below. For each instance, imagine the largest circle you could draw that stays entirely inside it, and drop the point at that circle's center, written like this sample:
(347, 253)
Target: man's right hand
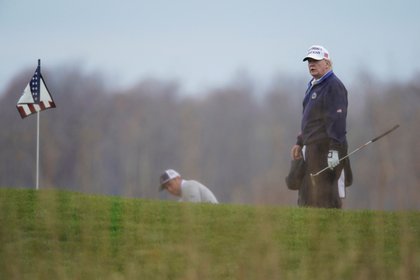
(296, 152)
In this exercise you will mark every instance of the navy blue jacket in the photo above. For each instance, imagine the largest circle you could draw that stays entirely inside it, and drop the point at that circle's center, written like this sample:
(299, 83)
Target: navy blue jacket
(325, 112)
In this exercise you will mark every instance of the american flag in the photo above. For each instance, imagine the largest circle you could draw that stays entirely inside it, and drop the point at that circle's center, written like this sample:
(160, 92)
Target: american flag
(35, 97)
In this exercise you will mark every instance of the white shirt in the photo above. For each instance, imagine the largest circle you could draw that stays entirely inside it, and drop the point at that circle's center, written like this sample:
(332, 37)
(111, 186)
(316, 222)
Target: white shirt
(193, 191)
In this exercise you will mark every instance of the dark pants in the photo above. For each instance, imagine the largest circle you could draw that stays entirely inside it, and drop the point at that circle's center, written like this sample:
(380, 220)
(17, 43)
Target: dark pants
(322, 190)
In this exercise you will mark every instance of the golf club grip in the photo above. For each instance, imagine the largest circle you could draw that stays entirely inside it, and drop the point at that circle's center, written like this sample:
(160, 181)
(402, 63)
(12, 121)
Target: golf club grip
(385, 133)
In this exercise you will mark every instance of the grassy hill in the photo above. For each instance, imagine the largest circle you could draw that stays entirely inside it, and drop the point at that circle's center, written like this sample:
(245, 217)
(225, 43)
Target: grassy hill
(52, 234)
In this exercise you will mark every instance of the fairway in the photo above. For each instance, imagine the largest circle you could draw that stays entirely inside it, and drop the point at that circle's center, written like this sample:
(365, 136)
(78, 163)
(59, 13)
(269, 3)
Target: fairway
(53, 234)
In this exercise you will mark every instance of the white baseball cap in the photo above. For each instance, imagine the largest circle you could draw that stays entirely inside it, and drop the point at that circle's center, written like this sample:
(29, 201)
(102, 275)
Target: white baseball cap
(168, 175)
(317, 52)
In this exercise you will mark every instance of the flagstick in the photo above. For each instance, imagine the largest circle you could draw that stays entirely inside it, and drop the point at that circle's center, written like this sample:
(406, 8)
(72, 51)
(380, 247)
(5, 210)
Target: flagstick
(37, 151)
(35, 92)
(37, 138)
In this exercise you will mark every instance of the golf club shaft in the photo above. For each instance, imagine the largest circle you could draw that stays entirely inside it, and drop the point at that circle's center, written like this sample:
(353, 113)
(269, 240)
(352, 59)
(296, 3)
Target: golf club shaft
(359, 148)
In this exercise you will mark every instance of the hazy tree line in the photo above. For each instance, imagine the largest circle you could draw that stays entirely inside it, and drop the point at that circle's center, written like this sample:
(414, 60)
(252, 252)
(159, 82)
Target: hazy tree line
(235, 138)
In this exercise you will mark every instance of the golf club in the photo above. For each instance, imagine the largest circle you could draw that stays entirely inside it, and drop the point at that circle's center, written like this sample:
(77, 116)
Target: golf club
(358, 149)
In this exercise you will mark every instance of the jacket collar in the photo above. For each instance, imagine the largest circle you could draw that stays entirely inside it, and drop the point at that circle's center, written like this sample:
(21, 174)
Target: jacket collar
(313, 81)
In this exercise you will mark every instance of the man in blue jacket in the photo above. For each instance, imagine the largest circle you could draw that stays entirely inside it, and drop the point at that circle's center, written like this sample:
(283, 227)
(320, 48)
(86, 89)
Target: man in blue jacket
(323, 132)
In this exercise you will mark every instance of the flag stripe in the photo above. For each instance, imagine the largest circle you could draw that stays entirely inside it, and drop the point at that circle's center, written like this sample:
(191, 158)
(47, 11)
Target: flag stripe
(31, 108)
(21, 111)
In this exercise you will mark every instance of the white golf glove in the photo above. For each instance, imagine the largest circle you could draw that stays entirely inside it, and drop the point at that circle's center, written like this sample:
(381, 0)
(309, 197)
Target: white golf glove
(333, 159)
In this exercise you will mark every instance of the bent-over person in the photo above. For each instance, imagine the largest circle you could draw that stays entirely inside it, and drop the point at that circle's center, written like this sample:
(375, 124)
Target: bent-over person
(186, 190)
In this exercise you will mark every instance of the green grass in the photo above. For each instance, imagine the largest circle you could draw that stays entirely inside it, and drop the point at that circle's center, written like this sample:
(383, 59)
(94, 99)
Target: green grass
(52, 234)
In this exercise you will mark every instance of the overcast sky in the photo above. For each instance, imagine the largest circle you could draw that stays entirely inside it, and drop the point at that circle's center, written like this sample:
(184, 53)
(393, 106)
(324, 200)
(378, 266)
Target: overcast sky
(204, 43)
